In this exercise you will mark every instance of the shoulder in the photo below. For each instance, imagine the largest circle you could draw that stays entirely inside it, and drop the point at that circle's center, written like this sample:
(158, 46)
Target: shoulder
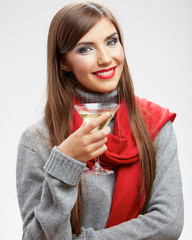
(148, 107)
(36, 137)
(165, 134)
(38, 130)
(154, 115)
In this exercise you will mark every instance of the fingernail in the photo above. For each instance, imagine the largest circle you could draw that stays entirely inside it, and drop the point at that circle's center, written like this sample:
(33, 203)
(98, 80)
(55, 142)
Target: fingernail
(107, 114)
(108, 129)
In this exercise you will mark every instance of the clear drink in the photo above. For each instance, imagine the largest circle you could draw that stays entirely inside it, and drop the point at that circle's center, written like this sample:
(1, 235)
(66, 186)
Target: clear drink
(88, 117)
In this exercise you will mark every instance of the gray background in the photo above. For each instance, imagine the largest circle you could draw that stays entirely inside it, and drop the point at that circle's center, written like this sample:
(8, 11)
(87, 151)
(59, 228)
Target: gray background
(157, 36)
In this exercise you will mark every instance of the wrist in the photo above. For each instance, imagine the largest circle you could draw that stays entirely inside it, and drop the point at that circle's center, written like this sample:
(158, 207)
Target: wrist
(67, 153)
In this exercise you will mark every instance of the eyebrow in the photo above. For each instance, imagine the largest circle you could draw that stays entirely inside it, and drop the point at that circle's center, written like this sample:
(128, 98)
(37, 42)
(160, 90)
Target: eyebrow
(92, 43)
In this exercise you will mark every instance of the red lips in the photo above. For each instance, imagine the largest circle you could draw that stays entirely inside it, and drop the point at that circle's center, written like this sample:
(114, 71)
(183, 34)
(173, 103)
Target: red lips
(105, 73)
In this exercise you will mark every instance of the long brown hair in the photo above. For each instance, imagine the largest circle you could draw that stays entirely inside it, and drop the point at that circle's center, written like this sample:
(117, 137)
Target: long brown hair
(68, 26)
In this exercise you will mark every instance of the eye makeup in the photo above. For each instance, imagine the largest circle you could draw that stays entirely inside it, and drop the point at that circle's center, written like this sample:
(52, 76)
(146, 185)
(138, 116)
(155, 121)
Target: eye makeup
(86, 47)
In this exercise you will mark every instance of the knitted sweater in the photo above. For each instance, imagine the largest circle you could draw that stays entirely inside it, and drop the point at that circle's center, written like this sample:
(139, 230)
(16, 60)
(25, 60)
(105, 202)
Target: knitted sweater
(47, 190)
(47, 186)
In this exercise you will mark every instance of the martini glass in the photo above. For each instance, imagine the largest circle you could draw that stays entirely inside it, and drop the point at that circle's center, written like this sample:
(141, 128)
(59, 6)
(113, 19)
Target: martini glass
(89, 111)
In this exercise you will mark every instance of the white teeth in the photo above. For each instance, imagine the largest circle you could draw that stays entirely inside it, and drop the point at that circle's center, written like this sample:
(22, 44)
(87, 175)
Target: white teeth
(104, 73)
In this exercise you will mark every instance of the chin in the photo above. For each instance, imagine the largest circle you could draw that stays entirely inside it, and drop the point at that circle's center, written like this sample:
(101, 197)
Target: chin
(109, 89)
(101, 90)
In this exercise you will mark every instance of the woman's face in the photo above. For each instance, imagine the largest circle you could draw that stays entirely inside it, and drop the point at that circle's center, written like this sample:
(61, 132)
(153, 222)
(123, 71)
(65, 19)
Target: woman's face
(97, 59)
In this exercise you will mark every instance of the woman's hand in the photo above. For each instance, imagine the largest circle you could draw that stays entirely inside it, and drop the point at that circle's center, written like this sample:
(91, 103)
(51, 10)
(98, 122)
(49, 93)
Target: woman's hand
(84, 146)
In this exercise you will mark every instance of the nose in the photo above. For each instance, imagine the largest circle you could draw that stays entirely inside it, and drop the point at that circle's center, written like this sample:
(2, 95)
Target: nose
(103, 57)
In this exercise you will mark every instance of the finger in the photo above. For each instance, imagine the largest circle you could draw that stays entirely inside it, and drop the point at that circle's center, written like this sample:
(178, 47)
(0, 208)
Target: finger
(95, 122)
(99, 151)
(96, 145)
(96, 136)
(99, 135)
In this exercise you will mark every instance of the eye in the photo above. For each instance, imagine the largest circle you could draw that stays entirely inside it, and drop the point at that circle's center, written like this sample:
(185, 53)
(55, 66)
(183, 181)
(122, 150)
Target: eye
(112, 41)
(84, 50)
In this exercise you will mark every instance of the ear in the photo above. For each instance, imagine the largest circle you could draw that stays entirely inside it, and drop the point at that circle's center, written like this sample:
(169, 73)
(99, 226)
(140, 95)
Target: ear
(64, 67)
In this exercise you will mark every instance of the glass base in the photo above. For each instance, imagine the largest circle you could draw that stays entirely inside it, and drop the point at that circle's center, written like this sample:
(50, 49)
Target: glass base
(98, 170)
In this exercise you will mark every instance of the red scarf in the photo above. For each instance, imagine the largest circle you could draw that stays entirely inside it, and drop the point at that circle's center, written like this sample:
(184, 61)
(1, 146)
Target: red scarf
(122, 154)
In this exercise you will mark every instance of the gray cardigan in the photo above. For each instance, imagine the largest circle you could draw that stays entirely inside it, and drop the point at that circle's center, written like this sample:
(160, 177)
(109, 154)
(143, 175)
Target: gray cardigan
(47, 183)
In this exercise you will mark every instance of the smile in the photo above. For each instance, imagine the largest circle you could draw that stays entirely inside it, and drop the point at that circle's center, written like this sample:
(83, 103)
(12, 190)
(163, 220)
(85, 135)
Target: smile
(105, 73)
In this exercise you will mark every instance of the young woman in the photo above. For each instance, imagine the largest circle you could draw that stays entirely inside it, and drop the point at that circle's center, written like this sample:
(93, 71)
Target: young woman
(57, 199)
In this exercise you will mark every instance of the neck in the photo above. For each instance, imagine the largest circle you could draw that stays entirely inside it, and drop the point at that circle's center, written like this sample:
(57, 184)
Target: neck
(89, 97)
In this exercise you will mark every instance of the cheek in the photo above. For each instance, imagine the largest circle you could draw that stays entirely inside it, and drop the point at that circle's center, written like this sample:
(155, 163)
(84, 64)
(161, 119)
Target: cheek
(82, 65)
(118, 54)
(121, 55)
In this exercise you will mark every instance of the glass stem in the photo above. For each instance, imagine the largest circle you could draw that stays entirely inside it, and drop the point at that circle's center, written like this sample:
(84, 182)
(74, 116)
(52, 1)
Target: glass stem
(97, 165)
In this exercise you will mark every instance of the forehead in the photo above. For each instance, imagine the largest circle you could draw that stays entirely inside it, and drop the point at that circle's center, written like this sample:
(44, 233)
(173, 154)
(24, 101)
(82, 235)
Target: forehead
(101, 29)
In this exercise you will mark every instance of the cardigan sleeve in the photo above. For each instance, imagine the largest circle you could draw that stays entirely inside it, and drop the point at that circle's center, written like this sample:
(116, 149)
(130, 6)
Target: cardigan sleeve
(46, 192)
(164, 217)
